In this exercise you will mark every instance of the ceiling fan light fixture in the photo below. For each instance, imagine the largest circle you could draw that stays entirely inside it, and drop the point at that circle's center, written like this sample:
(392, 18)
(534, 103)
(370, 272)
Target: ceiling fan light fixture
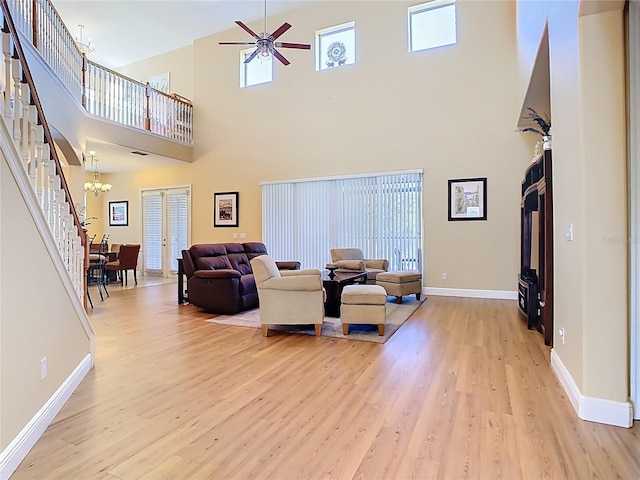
(266, 43)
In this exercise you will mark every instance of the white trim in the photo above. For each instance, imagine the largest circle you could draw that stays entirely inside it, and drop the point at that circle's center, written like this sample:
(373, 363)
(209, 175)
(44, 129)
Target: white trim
(30, 200)
(634, 178)
(343, 177)
(20, 446)
(601, 410)
(464, 292)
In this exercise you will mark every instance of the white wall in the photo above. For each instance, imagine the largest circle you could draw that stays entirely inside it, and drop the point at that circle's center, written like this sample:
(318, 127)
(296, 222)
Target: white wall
(37, 317)
(587, 77)
(451, 111)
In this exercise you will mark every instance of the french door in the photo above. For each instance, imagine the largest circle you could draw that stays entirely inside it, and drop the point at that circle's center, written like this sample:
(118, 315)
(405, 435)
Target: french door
(166, 228)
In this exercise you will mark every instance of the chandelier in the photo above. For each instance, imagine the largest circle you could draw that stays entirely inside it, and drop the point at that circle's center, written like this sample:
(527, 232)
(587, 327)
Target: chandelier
(85, 48)
(96, 187)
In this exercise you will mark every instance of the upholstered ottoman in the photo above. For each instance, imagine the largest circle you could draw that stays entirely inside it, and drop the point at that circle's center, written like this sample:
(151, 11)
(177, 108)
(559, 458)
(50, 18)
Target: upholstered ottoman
(363, 304)
(400, 284)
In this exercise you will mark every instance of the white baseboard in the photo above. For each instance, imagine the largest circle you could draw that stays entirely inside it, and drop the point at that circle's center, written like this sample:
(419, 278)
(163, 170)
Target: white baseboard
(462, 292)
(20, 446)
(593, 409)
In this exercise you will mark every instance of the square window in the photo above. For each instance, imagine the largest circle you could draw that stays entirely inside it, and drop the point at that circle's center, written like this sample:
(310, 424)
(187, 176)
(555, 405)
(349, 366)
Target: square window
(258, 70)
(336, 46)
(432, 25)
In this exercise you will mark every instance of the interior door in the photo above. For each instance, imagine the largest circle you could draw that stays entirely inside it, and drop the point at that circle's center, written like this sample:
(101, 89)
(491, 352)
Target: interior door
(166, 227)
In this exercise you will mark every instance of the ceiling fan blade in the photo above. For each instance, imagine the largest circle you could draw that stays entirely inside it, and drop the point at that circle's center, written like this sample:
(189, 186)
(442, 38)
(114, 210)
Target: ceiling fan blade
(303, 46)
(252, 56)
(283, 28)
(236, 43)
(248, 30)
(280, 57)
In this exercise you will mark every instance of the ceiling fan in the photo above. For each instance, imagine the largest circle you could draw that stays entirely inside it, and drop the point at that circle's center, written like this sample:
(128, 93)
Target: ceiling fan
(266, 43)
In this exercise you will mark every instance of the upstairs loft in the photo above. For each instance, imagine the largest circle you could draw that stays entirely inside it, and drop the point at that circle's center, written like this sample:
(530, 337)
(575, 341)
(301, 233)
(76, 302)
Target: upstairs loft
(84, 100)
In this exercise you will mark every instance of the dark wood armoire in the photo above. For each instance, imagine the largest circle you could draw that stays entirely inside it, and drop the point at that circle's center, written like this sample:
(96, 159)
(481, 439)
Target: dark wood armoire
(535, 282)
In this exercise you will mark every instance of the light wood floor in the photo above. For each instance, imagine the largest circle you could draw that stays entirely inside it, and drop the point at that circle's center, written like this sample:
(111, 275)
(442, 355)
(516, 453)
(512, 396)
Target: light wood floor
(462, 390)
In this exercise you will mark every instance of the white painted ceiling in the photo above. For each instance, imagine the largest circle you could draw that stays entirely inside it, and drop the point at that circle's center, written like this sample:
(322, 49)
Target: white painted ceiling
(124, 32)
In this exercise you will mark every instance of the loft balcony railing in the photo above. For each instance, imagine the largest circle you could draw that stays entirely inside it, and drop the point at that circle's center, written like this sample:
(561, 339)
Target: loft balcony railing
(102, 92)
(38, 167)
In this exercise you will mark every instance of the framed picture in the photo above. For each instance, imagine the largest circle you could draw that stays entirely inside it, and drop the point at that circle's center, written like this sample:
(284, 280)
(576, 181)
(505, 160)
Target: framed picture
(225, 209)
(160, 82)
(468, 199)
(119, 214)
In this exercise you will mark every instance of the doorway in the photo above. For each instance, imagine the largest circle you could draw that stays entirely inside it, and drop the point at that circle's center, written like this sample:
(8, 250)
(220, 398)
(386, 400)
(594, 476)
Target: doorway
(166, 228)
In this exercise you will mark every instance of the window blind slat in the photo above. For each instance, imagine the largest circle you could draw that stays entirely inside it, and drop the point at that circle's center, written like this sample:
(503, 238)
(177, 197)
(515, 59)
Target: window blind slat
(381, 215)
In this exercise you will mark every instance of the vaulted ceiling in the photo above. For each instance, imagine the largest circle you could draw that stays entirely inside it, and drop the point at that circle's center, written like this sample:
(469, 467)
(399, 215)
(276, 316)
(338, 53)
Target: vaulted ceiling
(124, 32)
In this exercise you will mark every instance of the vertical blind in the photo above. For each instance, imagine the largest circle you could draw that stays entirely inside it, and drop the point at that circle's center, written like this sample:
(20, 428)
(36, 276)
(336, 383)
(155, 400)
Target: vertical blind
(165, 221)
(177, 224)
(380, 214)
(152, 230)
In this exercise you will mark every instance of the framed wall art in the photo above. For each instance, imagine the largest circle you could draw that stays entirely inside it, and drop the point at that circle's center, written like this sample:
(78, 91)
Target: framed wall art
(468, 199)
(160, 82)
(119, 214)
(225, 209)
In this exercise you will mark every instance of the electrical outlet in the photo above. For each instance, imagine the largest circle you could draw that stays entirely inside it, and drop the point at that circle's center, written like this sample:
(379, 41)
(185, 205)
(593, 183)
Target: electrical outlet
(445, 276)
(243, 235)
(43, 368)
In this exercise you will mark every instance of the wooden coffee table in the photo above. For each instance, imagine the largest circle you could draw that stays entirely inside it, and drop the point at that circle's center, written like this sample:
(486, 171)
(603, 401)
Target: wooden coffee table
(333, 287)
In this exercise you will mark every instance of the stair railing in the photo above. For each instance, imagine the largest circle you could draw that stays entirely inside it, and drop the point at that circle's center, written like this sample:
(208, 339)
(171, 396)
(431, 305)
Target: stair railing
(23, 116)
(103, 92)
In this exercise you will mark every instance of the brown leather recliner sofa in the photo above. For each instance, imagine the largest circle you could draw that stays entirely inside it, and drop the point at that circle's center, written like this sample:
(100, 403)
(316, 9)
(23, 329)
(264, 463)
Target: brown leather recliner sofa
(219, 275)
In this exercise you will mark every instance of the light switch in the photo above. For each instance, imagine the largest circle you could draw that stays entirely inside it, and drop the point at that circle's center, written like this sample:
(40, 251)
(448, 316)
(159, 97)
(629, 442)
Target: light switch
(570, 232)
(235, 235)
(243, 235)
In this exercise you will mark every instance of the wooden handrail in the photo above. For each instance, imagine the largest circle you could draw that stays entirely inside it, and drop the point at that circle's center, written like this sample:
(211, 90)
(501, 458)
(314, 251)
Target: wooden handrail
(43, 25)
(35, 100)
(113, 72)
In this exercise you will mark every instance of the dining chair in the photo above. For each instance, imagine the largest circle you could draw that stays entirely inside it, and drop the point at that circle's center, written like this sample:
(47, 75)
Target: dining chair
(96, 269)
(127, 260)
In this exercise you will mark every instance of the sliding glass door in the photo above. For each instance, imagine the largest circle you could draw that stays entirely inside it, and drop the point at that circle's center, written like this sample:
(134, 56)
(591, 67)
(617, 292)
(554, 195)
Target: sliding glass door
(379, 213)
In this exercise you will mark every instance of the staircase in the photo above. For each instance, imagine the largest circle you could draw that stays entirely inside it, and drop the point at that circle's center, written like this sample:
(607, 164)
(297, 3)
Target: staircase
(42, 242)
(86, 100)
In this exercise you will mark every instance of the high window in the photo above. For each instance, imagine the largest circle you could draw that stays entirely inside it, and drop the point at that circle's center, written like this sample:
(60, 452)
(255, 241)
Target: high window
(380, 214)
(432, 25)
(257, 71)
(336, 46)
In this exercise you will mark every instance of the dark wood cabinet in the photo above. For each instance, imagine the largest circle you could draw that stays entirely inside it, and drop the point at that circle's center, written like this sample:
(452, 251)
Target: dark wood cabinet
(535, 281)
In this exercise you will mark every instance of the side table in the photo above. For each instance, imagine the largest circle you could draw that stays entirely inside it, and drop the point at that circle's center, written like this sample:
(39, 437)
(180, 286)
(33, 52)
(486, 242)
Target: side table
(183, 294)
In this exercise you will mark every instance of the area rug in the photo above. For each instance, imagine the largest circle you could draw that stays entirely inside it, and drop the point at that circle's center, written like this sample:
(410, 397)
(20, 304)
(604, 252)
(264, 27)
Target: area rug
(331, 327)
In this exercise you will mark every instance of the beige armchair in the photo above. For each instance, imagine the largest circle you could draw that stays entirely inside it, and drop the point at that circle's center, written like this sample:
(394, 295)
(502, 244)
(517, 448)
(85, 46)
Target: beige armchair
(288, 297)
(352, 260)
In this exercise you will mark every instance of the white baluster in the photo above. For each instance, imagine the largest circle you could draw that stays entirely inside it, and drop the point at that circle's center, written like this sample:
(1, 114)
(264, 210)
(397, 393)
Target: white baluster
(31, 115)
(6, 51)
(16, 71)
(38, 140)
(24, 123)
(48, 186)
(59, 209)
